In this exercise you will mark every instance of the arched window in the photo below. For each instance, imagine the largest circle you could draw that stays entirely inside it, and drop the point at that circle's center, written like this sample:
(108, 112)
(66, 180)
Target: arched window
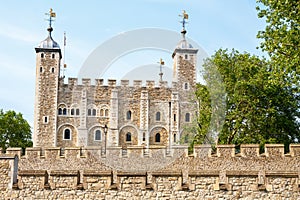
(72, 111)
(67, 134)
(53, 56)
(157, 116)
(174, 137)
(52, 70)
(128, 115)
(41, 69)
(128, 137)
(102, 112)
(42, 55)
(64, 111)
(97, 135)
(157, 137)
(106, 113)
(187, 117)
(77, 111)
(94, 112)
(60, 111)
(89, 112)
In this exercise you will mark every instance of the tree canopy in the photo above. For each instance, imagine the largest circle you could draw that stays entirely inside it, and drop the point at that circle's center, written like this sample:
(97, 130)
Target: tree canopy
(14, 130)
(262, 95)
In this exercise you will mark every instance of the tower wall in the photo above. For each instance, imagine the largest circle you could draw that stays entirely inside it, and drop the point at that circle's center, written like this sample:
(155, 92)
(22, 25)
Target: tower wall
(47, 77)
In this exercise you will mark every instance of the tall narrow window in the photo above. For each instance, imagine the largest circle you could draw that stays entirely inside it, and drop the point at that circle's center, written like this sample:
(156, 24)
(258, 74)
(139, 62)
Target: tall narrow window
(60, 111)
(157, 137)
(174, 118)
(52, 69)
(144, 136)
(67, 134)
(89, 112)
(102, 112)
(97, 135)
(42, 55)
(72, 111)
(106, 113)
(77, 111)
(186, 86)
(174, 137)
(186, 56)
(128, 137)
(157, 117)
(64, 111)
(41, 69)
(187, 117)
(128, 115)
(45, 119)
(94, 112)
(53, 56)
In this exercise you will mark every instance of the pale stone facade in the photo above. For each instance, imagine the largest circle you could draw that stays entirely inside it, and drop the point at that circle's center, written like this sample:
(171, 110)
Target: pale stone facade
(144, 114)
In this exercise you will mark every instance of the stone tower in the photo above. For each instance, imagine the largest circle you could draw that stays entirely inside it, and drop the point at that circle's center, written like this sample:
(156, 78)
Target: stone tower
(185, 77)
(48, 57)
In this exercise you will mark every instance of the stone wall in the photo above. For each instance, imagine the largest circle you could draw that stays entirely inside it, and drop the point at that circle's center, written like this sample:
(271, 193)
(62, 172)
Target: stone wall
(79, 174)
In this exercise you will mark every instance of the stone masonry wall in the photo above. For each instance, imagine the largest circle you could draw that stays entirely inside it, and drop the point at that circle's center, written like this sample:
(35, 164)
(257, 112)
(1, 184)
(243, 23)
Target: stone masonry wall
(80, 174)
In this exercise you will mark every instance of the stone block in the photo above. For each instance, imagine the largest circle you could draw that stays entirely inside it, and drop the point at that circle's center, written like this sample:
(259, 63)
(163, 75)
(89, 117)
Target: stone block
(250, 150)
(226, 151)
(295, 150)
(274, 150)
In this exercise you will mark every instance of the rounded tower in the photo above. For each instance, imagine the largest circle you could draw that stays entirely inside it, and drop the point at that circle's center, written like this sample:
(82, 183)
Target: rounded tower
(48, 57)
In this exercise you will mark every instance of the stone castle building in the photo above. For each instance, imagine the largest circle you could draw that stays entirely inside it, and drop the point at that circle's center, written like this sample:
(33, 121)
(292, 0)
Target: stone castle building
(71, 119)
(117, 114)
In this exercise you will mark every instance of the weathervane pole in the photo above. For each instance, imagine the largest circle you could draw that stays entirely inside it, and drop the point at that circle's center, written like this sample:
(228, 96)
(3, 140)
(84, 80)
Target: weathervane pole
(185, 17)
(51, 15)
(161, 63)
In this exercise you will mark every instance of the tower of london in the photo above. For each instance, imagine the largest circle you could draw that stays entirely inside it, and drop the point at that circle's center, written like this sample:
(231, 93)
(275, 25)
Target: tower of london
(79, 113)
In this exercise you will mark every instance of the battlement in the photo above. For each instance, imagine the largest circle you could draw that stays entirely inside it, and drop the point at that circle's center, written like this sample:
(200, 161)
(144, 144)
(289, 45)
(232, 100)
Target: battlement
(226, 171)
(87, 82)
(200, 151)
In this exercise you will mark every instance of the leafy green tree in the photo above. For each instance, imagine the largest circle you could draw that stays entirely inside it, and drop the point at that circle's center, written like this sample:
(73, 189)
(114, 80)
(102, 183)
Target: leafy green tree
(14, 130)
(281, 38)
(258, 108)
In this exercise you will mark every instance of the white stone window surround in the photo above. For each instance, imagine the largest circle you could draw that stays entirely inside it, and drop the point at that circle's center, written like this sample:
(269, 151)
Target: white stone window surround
(74, 110)
(64, 132)
(128, 115)
(158, 116)
(45, 119)
(62, 110)
(128, 137)
(97, 135)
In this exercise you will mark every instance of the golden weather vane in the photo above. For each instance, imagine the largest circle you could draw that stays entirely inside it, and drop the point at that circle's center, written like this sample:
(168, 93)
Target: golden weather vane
(51, 15)
(185, 17)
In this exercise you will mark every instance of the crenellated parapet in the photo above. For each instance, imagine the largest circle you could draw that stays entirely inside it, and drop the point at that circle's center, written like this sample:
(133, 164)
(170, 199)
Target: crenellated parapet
(200, 151)
(223, 171)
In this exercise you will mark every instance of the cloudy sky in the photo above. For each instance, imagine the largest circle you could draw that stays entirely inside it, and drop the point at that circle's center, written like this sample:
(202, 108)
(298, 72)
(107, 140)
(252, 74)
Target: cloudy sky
(213, 24)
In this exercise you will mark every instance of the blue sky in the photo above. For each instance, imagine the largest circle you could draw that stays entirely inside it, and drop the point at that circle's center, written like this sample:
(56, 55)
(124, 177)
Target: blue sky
(213, 24)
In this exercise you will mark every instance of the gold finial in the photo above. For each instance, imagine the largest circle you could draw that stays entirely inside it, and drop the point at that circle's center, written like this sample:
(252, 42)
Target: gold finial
(185, 17)
(51, 15)
(161, 63)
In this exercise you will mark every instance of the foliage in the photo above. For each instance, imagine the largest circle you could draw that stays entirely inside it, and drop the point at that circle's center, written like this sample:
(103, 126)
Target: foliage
(262, 96)
(14, 130)
(258, 108)
(281, 38)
